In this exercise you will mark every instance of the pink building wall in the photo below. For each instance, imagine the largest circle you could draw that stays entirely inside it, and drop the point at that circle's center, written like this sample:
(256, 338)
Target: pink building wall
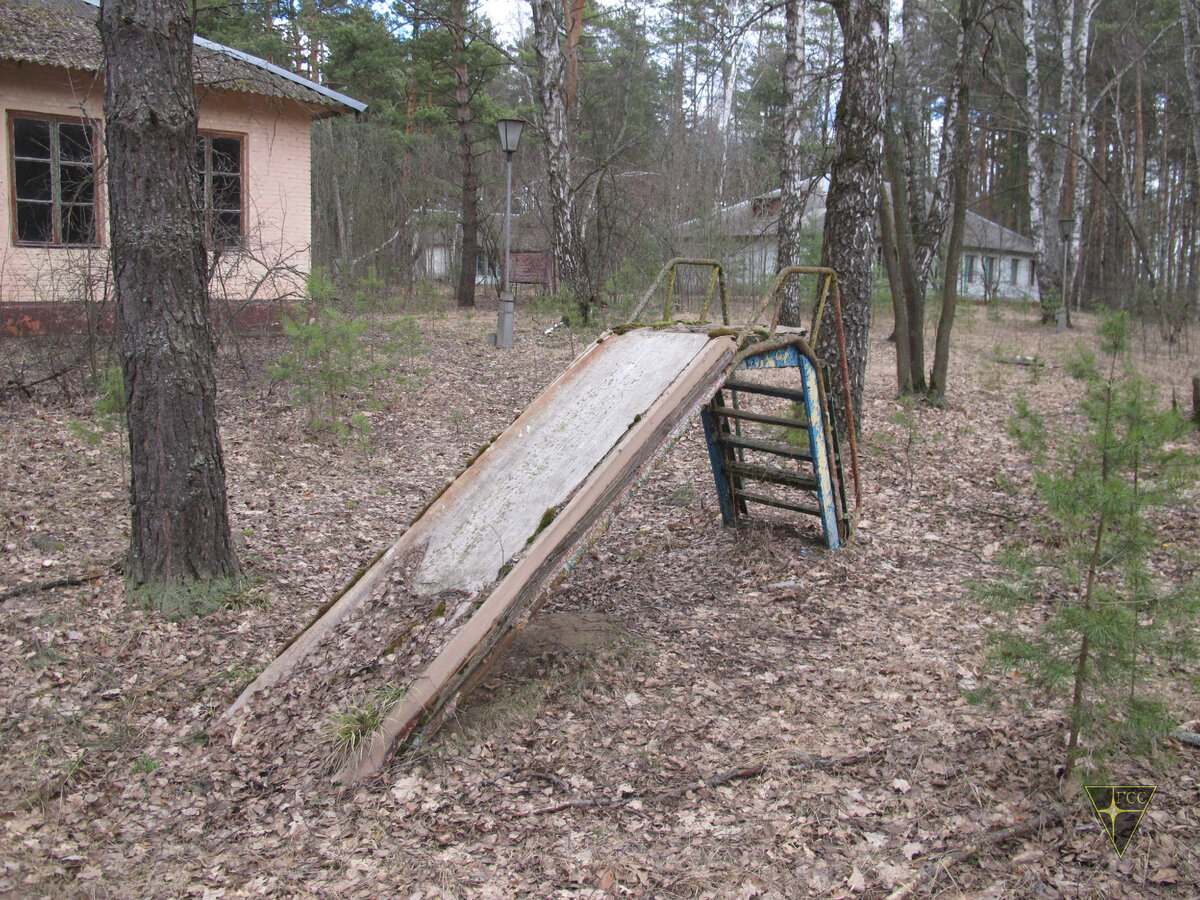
(276, 135)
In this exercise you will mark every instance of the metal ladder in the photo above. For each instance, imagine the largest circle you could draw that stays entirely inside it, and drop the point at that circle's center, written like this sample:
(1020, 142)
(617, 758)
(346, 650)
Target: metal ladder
(811, 460)
(803, 454)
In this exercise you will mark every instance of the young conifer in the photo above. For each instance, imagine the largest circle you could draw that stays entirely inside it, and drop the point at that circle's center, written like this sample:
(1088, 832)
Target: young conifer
(1107, 619)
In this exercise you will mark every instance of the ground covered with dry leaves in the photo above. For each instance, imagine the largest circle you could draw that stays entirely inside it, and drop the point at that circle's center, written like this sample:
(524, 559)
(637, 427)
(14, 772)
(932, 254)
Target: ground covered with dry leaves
(697, 711)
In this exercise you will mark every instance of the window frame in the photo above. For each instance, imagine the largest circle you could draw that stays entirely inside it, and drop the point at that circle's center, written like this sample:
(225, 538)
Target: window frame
(56, 202)
(207, 135)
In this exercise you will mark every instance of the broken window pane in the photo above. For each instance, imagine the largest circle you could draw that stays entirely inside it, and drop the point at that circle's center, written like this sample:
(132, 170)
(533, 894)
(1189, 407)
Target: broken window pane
(75, 143)
(31, 139)
(227, 154)
(35, 222)
(226, 192)
(79, 224)
(33, 180)
(77, 184)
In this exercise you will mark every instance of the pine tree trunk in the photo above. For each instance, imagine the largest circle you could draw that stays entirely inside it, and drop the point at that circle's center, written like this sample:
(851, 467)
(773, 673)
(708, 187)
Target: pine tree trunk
(466, 159)
(180, 526)
(852, 207)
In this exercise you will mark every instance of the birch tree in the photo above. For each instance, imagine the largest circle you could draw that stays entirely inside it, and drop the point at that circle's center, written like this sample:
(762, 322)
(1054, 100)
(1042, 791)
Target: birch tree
(548, 28)
(958, 124)
(792, 156)
(1033, 144)
(851, 208)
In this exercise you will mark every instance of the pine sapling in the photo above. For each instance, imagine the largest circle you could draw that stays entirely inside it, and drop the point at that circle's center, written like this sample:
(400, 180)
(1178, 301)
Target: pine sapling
(1108, 620)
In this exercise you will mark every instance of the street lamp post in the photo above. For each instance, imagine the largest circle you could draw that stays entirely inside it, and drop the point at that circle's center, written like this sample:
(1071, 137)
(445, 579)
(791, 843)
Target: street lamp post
(510, 137)
(1066, 228)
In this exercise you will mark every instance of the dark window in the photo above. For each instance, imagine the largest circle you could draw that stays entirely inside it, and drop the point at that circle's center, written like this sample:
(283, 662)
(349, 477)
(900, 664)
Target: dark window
(54, 181)
(1012, 273)
(219, 171)
(968, 268)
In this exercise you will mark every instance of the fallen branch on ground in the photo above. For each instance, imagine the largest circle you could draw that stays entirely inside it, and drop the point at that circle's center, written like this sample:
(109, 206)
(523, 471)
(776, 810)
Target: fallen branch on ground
(34, 586)
(933, 868)
(1191, 738)
(705, 783)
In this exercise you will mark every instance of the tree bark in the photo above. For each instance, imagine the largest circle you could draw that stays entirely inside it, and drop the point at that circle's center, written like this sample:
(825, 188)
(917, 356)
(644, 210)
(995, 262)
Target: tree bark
(899, 307)
(791, 174)
(959, 156)
(180, 526)
(466, 157)
(1033, 149)
(552, 83)
(852, 207)
(912, 285)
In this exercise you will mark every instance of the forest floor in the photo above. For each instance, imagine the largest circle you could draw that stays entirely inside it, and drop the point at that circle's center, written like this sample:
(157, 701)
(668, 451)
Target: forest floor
(696, 712)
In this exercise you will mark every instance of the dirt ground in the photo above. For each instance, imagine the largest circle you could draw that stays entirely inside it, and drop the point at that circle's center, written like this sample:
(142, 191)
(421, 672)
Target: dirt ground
(697, 711)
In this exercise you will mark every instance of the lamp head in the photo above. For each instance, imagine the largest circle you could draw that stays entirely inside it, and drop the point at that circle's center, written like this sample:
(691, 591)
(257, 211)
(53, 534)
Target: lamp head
(510, 134)
(1066, 228)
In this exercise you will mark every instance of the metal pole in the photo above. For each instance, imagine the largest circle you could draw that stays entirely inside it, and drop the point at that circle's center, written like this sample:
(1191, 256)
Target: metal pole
(1062, 308)
(507, 220)
(504, 325)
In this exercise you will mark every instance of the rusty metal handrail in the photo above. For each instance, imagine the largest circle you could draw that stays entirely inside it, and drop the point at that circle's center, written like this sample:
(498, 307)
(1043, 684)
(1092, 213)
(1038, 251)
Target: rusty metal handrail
(829, 286)
(668, 272)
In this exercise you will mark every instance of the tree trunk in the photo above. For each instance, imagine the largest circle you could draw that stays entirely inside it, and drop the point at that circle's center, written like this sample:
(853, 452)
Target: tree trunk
(466, 158)
(339, 214)
(899, 307)
(912, 285)
(180, 525)
(734, 43)
(959, 155)
(792, 159)
(552, 78)
(573, 11)
(1033, 150)
(852, 207)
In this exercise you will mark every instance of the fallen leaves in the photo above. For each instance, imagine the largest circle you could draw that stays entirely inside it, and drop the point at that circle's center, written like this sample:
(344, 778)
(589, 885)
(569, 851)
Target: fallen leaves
(593, 761)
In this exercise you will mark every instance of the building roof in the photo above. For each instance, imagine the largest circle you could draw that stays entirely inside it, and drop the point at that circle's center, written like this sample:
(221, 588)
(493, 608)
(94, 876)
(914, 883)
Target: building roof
(984, 234)
(65, 33)
(758, 218)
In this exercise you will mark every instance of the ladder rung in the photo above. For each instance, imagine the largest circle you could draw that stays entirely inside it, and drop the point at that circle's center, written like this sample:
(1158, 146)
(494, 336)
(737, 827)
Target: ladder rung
(781, 504)
(773, 475)
(763, 418)
(791, 451)
(766, 390)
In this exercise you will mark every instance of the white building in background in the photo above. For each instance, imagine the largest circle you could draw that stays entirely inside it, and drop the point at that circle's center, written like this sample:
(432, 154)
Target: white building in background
(998, 263)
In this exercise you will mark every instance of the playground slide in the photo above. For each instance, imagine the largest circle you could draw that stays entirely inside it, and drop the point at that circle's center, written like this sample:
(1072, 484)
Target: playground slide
(519, 517)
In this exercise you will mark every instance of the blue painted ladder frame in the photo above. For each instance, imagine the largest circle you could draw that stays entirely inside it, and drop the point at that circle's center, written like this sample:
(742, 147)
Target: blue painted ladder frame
(778, 358)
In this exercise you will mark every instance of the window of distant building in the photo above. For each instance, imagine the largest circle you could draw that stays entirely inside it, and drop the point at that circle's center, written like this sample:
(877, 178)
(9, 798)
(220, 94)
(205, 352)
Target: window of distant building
(53, 180)
(219, 172)
(968, 268)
